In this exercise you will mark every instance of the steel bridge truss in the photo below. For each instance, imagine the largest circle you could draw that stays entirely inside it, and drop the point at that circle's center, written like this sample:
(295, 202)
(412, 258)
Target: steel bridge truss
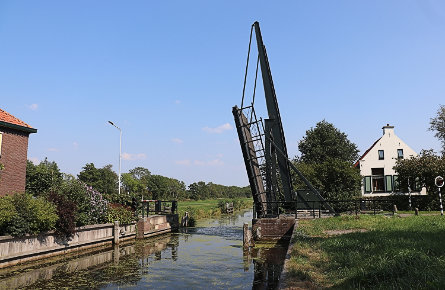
(264, 147)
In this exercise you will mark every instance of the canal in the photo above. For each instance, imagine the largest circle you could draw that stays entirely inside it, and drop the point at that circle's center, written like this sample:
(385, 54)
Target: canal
(209, 256)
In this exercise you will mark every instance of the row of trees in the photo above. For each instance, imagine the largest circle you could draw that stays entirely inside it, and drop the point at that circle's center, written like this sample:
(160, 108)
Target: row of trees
(138, 183)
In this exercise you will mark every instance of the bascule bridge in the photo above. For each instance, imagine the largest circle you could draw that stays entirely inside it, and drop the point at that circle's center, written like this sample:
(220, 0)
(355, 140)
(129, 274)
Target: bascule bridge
(264, 147)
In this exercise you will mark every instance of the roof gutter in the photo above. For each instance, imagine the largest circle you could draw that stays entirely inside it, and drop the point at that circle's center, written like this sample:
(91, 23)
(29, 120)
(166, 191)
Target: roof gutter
(18, 127)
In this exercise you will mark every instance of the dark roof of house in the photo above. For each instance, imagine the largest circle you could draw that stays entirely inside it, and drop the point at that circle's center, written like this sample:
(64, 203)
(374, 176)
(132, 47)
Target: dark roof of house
(9, 121)
(366, 152)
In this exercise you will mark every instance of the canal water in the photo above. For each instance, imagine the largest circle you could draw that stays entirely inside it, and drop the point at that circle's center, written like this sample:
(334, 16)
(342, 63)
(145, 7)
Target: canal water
(209, 256)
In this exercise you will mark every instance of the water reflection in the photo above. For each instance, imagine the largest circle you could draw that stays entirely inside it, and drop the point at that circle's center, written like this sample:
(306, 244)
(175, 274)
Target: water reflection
(268, 264)
(208, 256)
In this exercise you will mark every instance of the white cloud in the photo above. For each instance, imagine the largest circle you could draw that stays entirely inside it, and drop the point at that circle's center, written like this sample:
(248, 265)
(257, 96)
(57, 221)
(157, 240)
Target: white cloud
(202, 163)
(34, 160)
(131, 157)
(177, 141)
(33, 107)
(183, 162)
(53, 149)
(75, 145)
(177, 102)
(219, 129)
(214, 162)
(199, 163)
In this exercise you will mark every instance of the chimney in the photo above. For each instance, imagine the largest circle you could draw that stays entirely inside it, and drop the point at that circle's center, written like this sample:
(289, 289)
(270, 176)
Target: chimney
(388, 130)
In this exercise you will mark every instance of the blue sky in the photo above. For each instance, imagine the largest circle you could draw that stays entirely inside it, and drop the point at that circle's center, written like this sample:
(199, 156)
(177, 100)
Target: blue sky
(169, 72)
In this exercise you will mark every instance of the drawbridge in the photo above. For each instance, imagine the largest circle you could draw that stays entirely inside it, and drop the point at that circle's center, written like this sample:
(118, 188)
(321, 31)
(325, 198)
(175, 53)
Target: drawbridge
(263, 146)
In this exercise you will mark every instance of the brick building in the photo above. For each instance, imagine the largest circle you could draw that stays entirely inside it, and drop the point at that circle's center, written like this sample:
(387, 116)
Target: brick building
(14, 135)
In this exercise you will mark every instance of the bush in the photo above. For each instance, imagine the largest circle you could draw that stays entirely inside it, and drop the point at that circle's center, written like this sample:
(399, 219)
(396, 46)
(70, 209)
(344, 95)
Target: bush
(66, 210)
(7, 213)
(23, 214)
(117, 212)
(91, 206)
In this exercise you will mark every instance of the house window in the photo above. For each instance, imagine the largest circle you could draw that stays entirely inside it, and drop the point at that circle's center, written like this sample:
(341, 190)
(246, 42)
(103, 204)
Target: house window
(367, 183)
(388, 183)
(400, 153)
(378, 180)
(396, 183)
(381, 155)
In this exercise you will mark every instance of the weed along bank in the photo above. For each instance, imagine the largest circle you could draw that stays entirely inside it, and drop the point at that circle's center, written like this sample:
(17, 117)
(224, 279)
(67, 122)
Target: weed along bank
(156, 221)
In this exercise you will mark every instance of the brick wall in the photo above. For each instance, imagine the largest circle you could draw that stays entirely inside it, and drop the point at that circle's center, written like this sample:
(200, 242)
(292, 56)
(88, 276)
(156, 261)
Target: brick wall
(274, 228)
(13, 156)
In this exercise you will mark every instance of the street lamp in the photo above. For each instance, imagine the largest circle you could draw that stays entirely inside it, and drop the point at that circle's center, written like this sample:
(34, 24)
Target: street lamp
(120, 153)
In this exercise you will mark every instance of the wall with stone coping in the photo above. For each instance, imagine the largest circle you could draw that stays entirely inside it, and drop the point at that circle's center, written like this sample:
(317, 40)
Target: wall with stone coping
(14, 250)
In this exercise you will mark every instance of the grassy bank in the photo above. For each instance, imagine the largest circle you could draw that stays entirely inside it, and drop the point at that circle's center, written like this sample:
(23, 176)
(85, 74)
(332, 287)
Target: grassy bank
(199, 209)
(375, 252)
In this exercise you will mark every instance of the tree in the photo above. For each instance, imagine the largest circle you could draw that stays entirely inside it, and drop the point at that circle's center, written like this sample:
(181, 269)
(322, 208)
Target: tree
(198, 190)
(326, 161)
(325, 141)
(140, 173)
(334, 179)
(40, 179)
(437, 124)
(135, 182)
(104, 180)
(420, 171)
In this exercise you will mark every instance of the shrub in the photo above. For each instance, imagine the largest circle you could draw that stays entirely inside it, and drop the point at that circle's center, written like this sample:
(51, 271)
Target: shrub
(98, 206)
(66, 210)
(7, 213)
(91, 206)
(117, 212)
(23, 214)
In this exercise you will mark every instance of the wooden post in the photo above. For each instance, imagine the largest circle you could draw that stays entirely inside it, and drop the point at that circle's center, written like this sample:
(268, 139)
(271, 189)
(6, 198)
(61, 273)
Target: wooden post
(116, 233)
(416, 211)
(247, 236)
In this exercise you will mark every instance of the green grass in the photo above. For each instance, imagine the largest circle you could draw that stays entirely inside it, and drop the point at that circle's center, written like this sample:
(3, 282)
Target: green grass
(199, 209)
(390, 252)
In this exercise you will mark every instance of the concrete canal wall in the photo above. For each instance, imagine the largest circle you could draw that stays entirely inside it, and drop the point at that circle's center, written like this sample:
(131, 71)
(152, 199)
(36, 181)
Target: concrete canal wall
(14, 250)
(158, 224)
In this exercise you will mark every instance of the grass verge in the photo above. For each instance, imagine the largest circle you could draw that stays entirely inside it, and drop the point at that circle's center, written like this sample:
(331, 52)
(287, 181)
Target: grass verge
(370, 252)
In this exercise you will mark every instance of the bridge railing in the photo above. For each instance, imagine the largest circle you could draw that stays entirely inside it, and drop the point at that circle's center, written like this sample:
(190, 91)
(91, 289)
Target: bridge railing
(316, 208)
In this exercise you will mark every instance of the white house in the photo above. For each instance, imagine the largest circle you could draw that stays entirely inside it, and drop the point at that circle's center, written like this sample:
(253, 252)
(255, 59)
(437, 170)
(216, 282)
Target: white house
(376, 165)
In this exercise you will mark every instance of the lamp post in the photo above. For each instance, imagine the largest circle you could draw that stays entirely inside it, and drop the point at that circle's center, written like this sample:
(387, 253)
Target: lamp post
(439, 183)
(120, 153)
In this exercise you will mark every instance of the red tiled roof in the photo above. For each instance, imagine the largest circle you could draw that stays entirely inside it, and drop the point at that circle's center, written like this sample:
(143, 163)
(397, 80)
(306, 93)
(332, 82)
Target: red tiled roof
(10, 119)
(366, 152)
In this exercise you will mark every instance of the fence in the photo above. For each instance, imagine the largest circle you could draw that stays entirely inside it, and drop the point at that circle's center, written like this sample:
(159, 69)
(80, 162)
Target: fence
(149, 207)
(316, 208)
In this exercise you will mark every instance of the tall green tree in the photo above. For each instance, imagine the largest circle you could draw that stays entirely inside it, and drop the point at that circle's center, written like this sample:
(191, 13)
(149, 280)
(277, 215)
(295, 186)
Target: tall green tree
(326, 141)
(437, 125)
(326, 160)
(41, 178)
(104, 180)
